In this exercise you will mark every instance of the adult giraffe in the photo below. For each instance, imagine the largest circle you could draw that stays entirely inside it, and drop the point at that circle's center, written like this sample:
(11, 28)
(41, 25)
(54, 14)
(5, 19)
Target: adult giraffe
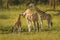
(43, 16)
(31, 17)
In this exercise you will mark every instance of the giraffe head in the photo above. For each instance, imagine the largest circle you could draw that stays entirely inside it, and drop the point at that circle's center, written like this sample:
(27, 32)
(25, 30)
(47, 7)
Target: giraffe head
(22, 14)
(31, 5)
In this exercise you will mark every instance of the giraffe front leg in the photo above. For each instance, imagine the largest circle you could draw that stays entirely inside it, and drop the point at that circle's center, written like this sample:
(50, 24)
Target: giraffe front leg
(35, 26)
(41, 18)
(42, 24)
(19, 29)
(29, 26)
(14, 28)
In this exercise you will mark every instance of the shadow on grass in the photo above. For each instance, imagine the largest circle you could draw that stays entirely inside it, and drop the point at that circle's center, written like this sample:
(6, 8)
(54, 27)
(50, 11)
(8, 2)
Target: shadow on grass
(4, 16)
(5, 30)
(9, 29)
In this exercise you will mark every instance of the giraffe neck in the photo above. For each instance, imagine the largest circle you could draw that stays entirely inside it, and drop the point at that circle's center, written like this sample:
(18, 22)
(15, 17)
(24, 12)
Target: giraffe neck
(38, 10)
(19, 18)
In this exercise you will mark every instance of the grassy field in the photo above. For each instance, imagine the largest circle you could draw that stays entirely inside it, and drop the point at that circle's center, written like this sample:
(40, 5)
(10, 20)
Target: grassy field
(9, 17)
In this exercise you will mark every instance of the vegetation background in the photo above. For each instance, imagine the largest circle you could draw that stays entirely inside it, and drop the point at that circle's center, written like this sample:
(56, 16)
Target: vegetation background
(9, 11)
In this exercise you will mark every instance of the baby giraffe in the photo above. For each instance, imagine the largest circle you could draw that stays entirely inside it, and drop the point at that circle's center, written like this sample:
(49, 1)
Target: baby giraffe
(17, 25)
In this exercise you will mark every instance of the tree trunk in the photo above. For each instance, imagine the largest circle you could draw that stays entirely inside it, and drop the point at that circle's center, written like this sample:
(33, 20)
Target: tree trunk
(52, 3)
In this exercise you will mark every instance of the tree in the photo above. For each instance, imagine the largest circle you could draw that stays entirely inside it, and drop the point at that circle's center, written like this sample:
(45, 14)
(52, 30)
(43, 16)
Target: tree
(53, 3)
(6, 4)
(1, 3)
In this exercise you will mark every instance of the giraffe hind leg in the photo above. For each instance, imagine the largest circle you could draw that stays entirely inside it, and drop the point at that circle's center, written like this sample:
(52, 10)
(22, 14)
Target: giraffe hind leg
(49, 24)
(38, 26)
(42, 24)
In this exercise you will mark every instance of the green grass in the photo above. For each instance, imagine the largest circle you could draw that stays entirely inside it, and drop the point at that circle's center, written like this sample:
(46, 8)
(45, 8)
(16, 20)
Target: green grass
(9, 17)
(46, 35)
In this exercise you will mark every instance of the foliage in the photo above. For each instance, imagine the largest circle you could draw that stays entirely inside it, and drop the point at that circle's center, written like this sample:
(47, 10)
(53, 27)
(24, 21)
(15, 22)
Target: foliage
(5, 4)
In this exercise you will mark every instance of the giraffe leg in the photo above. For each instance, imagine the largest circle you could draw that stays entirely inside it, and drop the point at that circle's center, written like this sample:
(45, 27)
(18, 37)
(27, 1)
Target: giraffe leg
(49, 24)
(29, 26)
(42, 24)
(38, 26)
(19, 29)
(14, 28)
(35, 26)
